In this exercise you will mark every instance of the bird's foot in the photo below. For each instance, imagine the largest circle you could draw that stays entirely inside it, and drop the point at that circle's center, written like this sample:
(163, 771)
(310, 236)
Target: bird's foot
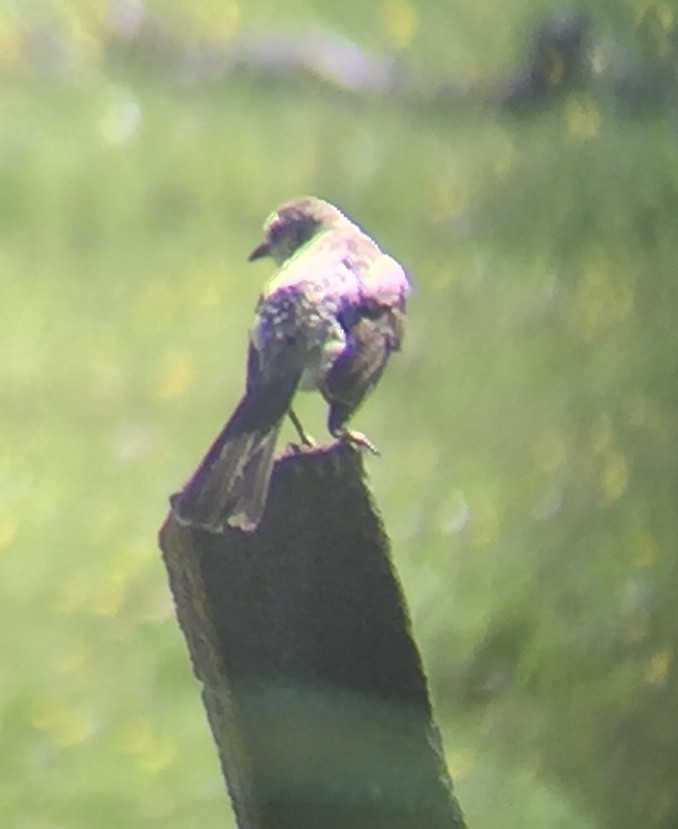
(358, 439)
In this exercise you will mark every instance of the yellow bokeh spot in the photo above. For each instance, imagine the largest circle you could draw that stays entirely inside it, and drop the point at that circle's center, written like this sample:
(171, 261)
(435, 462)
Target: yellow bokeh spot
(665, 16)
(582, 119)
(218, 19)
(503, 156)
(64, 723)
(658, 20)
(206, 283)
(485, 524)
(549, 452)
(129, 561)
(658, 667)
(461, 762)
(9, 527)
(602, 435)
(644, 413)
(156, 306)
(422, 457)
(70, 597)
(400, 22)
(206, 294)
(82, 21)
(226, 21)
(556, 68)
(108, 601)
(641, 9)
(450, 199)
(176, 376)
(602, 300)
(12, 39)
(645, 550)
(615, 478)
(120, 574)
(152, 751)
(73, 660)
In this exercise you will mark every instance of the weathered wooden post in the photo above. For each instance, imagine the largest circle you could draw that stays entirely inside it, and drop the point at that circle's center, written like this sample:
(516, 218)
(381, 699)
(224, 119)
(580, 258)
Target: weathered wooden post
(312, 682)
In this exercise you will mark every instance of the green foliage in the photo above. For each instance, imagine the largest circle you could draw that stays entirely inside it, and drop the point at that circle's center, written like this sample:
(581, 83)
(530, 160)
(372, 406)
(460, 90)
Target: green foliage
(528, 430)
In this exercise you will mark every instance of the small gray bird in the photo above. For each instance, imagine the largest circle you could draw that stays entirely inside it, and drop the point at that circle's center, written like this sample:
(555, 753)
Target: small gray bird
(328, 320)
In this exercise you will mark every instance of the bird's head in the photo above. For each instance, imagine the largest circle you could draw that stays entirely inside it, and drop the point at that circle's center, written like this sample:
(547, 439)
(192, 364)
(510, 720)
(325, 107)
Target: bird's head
(293, 225)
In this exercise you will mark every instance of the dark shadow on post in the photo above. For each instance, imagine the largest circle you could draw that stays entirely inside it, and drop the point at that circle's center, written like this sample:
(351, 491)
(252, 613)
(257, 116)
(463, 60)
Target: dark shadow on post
(312, 682)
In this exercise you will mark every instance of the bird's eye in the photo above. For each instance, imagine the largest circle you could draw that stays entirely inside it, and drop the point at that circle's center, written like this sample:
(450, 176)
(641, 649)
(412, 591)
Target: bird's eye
(275, 232)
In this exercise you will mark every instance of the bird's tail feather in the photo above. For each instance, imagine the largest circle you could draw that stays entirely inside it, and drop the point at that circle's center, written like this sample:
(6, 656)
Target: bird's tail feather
(250, 491)
(231, 483)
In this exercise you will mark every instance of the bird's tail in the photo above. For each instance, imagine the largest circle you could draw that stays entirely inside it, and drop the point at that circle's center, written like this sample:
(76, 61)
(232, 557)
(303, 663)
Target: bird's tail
(231, 483)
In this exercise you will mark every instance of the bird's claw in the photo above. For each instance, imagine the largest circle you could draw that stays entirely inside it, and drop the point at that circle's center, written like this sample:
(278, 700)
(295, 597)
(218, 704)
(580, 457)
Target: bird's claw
(360, 440)
(306, 442)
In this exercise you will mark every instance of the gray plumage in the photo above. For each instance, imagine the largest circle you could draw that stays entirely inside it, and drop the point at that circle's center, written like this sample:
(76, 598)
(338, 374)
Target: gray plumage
(327, 320)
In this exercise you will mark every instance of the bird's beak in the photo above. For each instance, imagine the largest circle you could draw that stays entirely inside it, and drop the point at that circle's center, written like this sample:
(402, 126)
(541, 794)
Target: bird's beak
(264, 249)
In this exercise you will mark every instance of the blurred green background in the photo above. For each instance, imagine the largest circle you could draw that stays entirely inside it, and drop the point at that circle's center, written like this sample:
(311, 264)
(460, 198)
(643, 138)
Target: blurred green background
(529, 429)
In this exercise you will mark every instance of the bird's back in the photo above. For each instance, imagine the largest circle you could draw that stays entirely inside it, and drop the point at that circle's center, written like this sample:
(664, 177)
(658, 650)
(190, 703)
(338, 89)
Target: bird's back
(309, 306)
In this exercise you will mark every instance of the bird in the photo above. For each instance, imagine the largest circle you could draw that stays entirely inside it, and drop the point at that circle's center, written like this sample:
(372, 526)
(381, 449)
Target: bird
(328, 320)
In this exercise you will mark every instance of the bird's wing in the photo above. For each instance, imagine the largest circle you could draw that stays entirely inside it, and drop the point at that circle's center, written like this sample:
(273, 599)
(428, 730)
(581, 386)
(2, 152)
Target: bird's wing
(254, 376)
(374, 328)
(385, 283)
(370, 341)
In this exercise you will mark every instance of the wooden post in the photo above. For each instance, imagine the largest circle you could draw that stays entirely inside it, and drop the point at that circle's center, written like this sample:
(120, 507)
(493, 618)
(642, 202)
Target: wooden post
(312, 682)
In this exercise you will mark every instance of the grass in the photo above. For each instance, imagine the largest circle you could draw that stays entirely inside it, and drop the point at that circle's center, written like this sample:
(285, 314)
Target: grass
(527, 430)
